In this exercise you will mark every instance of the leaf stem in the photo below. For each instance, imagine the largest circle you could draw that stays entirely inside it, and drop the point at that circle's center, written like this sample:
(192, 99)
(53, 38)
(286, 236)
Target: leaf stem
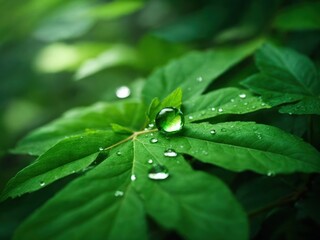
(133, 136)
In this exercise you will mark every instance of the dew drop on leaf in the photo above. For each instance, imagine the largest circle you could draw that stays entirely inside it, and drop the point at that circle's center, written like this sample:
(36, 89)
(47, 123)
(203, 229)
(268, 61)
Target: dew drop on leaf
(199, 79)
(170, 120)
(118, 193)
(213, 109)
(220, 110)
(123, 92)
(42, 183)
(133, 177)
(212, 132)
(119, 153)
(242, 95)
(190, 117)
(223, 130)
(158, 172)
(150, 161)
(153, 140)
(170, 153)
(232, 100)
(101, 148)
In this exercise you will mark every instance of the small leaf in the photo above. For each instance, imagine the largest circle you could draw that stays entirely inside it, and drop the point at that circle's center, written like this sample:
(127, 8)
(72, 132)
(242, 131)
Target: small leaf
(195, 71)
(174, 99)
(67, 157)
(96, 117)
(286, 76)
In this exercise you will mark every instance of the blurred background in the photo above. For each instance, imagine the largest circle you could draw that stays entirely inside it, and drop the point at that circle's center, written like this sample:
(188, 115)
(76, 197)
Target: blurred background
(58, 54)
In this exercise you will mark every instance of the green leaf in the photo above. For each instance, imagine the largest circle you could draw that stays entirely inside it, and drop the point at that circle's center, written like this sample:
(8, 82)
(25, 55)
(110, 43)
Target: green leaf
(70, 155)
(195, 71)
(120, 129)
(286, 76)
(174, 99)
(221, 102)
(97, 200)
(302, 16)
(96, 117)
(240, 146)
(115, 9)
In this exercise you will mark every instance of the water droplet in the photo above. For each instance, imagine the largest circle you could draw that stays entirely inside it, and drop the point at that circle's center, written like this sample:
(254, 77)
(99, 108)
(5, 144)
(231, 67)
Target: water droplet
(199, 79)
(119, 153)
(259, 136)
(212, 132)
(133, 177)
(242, 95)
(213, 109)
(101, 148)
(153, 140)
(170, 120)
(271, 174)
(232, 100)
(220, 110)
(245, 103)
(118, 193)
(42, 183)
(150, 126)
(150, 161)
(203, 113)
(223, 130)
(158, 172)
(263, 104)
(170, 153)
(190, 117)
(123, 92)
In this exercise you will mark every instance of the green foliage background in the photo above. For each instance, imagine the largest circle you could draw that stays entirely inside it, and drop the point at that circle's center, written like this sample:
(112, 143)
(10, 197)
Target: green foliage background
(255, 178)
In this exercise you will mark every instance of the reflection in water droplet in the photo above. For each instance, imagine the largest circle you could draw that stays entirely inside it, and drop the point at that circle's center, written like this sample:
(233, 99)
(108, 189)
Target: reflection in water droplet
(123, 92)
(158, 172)
(118, 193)
(133, 177)
(242, 95)
(42, 183)
(212, 132)
(153, 140)
(220, 110)
(170, 120)
(223, 130)
(170, 153)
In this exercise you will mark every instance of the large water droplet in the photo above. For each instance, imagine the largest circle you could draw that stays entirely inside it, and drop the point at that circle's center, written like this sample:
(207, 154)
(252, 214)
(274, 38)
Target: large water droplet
(242, 95)
(170, 153)
(170, 120)
(123, 92)
(118, 193)
(42, 183)
(158, 172)
(153, 140)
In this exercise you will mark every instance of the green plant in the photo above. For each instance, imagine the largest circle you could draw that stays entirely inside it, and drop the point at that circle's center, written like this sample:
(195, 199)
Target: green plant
(230, 161)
